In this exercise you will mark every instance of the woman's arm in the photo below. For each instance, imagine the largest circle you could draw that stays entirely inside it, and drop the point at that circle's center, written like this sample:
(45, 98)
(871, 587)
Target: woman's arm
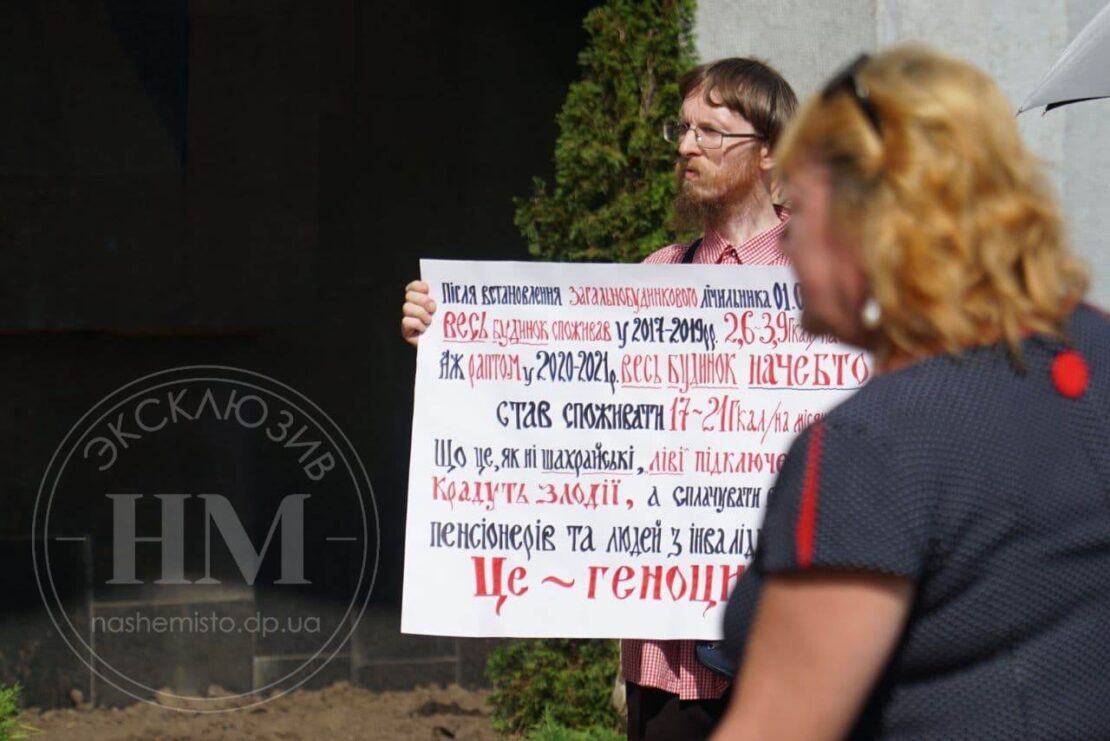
(818, 643)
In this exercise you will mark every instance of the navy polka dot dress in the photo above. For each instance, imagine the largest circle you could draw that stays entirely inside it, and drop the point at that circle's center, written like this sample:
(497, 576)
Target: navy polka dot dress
(988, 485)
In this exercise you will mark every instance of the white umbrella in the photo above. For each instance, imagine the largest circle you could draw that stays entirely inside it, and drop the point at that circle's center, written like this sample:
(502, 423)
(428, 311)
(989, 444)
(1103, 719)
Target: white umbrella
(1081, 73)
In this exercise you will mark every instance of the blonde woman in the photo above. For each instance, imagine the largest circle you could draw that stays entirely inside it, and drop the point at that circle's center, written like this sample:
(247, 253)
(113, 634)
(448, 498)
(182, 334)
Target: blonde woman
(935, 560)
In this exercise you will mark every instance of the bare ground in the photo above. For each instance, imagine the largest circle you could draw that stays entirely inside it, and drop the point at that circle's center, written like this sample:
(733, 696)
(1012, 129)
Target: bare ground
(336, 712)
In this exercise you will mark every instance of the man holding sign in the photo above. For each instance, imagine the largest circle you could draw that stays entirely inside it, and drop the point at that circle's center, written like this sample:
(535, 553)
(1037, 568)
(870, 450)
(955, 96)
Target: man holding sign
(732, 114)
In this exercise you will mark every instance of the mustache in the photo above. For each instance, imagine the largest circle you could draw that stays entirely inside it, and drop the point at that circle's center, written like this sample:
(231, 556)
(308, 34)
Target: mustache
(681, 166)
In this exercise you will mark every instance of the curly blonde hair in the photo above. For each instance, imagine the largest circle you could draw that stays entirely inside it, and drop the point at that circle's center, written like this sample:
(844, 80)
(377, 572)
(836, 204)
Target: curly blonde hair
(960, 234)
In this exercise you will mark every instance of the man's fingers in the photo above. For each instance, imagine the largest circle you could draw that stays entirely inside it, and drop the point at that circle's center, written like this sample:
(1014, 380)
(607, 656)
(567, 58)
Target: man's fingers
(421, 299)
(411, 329)
(417, 311)
(411, 324)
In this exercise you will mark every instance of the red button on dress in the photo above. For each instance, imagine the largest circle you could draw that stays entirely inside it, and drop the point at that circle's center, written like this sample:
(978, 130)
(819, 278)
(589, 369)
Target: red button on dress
(1070, 374)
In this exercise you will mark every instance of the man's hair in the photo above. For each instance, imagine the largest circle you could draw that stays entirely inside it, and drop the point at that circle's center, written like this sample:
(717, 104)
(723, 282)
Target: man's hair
(748, 87)
(959, 232)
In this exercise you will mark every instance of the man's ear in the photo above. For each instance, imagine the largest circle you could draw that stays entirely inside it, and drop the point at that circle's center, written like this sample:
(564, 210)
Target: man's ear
(766, 159)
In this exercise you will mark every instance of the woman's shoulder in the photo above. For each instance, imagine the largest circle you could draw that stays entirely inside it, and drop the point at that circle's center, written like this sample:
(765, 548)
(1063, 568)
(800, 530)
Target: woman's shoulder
(952, 394)
(1089, 327)
(905, 398)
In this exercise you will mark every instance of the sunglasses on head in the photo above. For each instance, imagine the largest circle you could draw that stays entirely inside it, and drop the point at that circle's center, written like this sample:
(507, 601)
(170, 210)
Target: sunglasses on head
(847, 80)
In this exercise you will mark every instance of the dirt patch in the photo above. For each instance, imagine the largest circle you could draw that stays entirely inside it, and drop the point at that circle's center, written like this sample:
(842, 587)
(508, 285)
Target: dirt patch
(337, 712)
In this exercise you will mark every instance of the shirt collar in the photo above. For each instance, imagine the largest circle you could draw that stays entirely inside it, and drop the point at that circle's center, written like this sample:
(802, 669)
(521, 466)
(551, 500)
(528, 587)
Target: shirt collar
(761, 249)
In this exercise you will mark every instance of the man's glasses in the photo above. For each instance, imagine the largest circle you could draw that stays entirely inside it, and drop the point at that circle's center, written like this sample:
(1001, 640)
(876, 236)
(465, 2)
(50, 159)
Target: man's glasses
(675, 132)
(847, 80)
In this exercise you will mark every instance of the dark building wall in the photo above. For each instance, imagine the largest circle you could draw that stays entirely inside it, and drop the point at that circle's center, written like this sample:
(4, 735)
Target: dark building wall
(251, 184)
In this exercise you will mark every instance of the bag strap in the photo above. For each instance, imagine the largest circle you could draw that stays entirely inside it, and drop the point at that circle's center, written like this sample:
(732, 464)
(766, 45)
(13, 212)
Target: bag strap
(690, 251)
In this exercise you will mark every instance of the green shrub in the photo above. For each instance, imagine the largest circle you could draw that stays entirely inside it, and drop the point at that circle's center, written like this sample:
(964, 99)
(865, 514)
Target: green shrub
(614, 175)
(549, 730)
(610, 202)
(560, 682)
(10, 727)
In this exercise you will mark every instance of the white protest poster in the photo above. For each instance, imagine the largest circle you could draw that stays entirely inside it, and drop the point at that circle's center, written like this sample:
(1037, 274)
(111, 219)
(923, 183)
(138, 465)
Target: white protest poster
(593, 445)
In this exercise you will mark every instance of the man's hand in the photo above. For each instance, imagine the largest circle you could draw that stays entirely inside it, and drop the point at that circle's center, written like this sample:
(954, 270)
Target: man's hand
(416, 314)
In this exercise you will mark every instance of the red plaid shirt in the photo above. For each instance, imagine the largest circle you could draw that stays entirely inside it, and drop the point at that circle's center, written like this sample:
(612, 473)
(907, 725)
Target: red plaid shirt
(672, 666)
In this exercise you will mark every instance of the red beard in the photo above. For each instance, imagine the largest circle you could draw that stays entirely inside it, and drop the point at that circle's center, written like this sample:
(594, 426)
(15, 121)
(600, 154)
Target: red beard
(709, 192)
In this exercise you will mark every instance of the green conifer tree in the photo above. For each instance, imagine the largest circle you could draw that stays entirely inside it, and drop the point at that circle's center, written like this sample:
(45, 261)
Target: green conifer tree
(614, 180)
(611, 202)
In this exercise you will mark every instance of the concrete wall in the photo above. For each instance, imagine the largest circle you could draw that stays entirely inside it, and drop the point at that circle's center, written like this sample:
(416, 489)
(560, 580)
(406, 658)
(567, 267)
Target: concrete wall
(239, 195)
(1016, 41)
